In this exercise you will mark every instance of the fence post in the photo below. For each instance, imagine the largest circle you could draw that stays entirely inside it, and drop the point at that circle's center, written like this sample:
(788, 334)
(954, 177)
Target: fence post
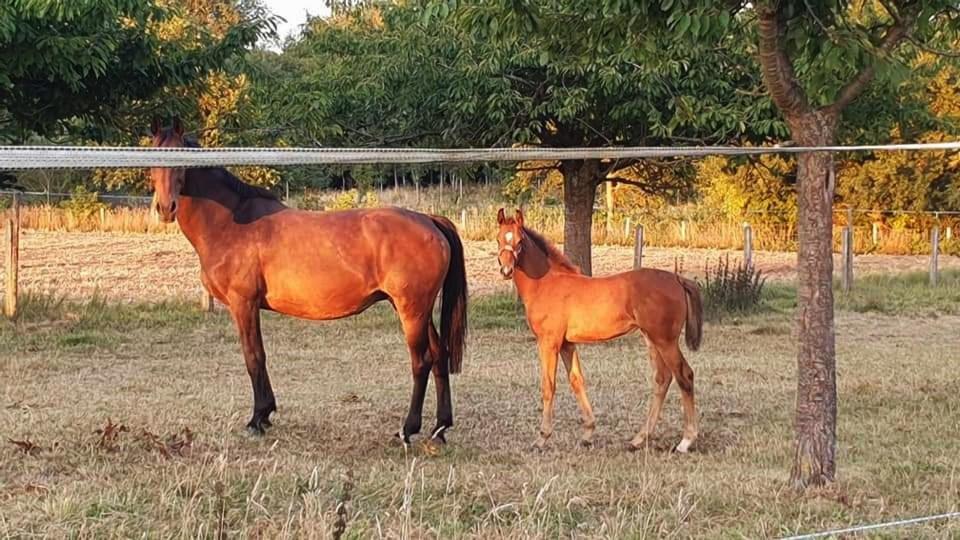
(683, 230)
(949, 233)
(847, 253)
(747, 246)
(463, 220)
(626, 228)
(934, 255)
(609, 199)
(876, 233)
(13, 258)
(638, 248)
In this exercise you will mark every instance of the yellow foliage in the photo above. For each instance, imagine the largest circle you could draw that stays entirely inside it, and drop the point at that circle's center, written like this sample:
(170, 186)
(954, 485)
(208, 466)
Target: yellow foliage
(756, 186)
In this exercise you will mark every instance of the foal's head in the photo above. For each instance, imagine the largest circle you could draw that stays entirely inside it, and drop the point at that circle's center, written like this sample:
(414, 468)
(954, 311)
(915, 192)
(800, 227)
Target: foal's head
(167, 182)
(510, 241)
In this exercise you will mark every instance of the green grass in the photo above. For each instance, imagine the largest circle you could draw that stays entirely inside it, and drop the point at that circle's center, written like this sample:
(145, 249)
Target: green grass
(343, 387)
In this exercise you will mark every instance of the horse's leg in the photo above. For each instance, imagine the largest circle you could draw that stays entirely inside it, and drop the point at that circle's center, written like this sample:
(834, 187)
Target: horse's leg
(684, 375)
(246, 314)
(441, 379)
(661, 383)
(548, 387)
(571, 360)
(415, 330)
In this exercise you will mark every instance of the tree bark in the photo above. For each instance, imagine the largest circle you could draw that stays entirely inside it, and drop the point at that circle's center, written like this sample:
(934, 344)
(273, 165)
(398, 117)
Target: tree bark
(816, 413)
(580, 180)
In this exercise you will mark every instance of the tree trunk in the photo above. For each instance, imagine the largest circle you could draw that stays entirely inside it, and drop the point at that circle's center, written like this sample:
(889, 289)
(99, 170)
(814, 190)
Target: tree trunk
(580, 179)
(816, 415)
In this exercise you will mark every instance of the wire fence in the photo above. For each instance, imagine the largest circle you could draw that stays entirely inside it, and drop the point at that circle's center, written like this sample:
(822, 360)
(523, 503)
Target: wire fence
(83, 157)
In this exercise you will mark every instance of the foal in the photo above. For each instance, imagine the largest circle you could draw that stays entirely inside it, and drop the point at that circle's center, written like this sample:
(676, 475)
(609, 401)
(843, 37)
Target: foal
(565, 307)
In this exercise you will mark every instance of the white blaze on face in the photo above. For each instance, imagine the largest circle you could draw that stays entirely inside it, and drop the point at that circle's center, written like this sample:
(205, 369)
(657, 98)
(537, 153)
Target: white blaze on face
(509, 237)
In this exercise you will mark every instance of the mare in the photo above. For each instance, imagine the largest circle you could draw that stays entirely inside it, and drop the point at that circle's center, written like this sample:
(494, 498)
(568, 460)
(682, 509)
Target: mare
(257, 254)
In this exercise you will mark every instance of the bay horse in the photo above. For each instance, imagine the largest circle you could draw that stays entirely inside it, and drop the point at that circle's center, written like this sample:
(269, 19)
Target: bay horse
(255, 253)
(564, 308)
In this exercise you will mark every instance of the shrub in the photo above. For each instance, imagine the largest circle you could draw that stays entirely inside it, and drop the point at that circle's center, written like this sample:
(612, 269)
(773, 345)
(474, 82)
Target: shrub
(731, 289)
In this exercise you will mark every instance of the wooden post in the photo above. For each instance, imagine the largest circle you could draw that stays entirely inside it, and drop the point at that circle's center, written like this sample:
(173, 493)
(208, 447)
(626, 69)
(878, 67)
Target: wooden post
(934, 255)
(626, 229)
(13, 258)
(103, 217)
(609, 192)
(206, 301)
(463, 220)
(876, 233)
(683, 231)
(747, 246)
(949, 233)
(638, 248)
(847, 251)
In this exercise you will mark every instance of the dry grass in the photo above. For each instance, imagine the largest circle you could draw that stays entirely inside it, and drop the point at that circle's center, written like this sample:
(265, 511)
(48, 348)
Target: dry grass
(183, 466)
(475, 220)
(154, 267)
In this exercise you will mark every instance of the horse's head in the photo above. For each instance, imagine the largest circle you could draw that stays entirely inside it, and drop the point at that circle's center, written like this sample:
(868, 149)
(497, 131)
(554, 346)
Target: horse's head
(167, 182)
(510, 241)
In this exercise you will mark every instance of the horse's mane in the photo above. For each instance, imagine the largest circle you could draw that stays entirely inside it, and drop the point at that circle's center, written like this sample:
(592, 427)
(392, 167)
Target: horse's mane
(225, 177)
(554, 255)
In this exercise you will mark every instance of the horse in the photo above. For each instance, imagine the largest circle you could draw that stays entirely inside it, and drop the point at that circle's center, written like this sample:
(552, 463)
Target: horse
(258, 254)
(564, 308)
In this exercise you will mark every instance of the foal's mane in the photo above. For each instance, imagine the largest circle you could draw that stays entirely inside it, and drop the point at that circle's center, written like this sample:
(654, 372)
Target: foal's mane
(222, 175)
(554, 255)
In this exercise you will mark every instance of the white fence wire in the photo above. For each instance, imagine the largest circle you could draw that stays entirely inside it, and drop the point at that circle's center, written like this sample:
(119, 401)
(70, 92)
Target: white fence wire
(75, 157)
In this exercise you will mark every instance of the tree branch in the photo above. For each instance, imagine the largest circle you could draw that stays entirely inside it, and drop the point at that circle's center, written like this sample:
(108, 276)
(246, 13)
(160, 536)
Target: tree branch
(778, 74)
(859, 83)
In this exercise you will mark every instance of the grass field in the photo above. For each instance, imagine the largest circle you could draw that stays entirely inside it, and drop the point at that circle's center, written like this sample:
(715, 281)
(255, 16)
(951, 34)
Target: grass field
(182, 464)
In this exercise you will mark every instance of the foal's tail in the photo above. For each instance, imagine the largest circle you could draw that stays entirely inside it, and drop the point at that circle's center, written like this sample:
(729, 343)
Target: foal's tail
(453, 302)
(694, 326)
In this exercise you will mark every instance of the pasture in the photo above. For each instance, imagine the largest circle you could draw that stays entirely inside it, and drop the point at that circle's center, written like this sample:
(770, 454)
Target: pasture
(183, 465)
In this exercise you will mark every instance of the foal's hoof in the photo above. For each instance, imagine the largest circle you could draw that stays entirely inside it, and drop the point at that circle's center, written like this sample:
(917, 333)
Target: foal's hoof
(683, 447)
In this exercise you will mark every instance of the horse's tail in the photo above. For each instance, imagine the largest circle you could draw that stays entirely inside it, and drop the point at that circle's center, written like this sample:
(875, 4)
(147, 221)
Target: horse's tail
(453, 302)
(694, 325)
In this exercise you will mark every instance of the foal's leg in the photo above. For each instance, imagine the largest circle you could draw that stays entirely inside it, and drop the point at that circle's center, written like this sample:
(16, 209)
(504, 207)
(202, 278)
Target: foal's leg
(571, 360)
(246, 314)
(548, 388)
(415, 330)
(441, 379)
(661, 383)
(684, 375)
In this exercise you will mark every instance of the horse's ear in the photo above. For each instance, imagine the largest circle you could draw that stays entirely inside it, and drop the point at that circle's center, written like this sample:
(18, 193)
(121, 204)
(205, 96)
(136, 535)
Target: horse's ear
(501, 217)
(519, 217)
(177, 126)
(156, 125)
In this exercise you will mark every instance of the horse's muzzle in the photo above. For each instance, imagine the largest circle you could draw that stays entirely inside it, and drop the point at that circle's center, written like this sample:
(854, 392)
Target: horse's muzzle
(167, 213)
(506, 272)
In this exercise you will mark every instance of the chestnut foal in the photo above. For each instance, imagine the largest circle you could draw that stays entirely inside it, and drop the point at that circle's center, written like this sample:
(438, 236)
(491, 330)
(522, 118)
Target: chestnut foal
(565, 307)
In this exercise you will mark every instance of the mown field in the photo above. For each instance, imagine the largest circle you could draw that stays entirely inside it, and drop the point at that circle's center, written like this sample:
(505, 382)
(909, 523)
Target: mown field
(126, 419)
(156, 267)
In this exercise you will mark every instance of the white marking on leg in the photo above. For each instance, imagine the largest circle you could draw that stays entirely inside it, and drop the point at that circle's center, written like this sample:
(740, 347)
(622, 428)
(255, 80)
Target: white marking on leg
(438, 431)
(684, 446)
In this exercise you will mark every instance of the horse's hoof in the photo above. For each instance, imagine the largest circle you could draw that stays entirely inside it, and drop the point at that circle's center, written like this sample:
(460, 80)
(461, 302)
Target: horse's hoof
(266, 423)
(586, 443)
(633, 447)
(438, 435)
(404, 439)
(255, 430)
(683, 447)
